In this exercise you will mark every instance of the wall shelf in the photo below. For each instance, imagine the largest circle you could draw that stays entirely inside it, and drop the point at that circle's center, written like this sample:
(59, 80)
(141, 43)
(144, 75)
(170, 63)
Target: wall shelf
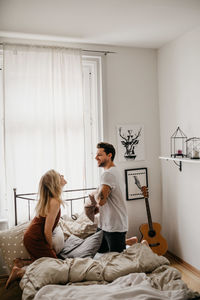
(179, 161)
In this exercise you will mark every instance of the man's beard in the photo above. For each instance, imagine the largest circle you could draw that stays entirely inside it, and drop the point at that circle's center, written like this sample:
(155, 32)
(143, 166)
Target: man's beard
(102, 164)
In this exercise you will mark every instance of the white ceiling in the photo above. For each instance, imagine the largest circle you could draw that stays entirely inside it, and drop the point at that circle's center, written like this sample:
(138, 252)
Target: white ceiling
(133, 23)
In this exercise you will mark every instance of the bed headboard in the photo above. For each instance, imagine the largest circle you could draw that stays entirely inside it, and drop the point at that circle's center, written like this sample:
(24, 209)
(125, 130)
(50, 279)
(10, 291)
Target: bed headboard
(83, 194)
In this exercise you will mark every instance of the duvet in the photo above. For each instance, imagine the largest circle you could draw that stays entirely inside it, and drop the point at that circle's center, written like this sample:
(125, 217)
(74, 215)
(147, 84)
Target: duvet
(136, 272)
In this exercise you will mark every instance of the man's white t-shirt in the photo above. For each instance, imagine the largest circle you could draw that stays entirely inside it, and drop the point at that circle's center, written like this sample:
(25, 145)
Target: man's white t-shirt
(113, 214)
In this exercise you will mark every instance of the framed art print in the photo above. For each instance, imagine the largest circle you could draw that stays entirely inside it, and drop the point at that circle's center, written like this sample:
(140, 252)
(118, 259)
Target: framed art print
(135, 178)
(130, 142)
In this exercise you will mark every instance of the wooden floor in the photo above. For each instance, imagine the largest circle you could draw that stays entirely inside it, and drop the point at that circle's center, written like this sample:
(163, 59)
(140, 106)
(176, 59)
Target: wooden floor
(189, 275)
(12, 293)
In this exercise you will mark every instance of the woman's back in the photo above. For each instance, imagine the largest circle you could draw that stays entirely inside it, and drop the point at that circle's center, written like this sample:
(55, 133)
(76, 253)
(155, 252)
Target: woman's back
(34, 238)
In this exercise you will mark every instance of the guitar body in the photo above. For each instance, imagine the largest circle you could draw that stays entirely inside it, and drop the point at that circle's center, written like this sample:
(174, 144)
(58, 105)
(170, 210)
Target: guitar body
(157, 243)
(151, 231)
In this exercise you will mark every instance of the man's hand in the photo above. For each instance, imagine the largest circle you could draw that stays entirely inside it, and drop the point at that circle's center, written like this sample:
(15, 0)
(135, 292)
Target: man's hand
(145, 191)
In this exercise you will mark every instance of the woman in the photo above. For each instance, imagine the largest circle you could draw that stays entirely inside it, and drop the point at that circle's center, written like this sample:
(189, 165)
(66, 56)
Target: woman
(38, 236)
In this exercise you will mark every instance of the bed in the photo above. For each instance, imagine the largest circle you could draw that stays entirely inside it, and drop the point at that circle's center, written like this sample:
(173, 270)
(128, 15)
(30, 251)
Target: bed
(82, 273)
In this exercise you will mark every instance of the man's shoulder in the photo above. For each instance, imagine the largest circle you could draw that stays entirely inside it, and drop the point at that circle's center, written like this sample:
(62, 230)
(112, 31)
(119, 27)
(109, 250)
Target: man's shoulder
(114, 171)
(107, 174)
(110, 175)
(111, 170)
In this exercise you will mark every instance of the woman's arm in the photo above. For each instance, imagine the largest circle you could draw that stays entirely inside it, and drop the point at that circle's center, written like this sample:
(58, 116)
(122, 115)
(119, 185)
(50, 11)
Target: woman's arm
(50, 220)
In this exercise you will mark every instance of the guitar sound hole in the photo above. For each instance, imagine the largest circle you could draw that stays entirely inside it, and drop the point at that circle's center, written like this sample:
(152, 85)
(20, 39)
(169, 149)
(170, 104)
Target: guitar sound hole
(151, 233)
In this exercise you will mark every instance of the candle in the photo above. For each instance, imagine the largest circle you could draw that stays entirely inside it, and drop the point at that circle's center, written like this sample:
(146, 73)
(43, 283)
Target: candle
(195, 154)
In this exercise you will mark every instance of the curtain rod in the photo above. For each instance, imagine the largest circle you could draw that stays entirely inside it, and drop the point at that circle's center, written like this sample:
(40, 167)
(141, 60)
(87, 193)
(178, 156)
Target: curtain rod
(105, 52)
(99, 51)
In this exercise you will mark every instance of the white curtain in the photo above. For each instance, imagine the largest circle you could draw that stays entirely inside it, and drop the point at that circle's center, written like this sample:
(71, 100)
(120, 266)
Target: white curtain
(43, 120)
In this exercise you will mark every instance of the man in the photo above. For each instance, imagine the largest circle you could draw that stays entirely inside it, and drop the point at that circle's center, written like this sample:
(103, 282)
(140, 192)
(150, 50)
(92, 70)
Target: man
(113, 219)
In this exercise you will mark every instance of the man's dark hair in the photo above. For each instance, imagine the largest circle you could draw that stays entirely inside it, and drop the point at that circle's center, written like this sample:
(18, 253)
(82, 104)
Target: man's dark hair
(108, 148)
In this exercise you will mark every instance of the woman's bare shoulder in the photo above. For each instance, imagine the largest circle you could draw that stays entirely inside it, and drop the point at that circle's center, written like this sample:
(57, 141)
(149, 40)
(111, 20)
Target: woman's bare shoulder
(54, 202)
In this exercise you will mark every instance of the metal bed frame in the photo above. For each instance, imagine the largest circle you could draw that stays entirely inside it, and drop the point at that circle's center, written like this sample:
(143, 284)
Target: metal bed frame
(28, 197)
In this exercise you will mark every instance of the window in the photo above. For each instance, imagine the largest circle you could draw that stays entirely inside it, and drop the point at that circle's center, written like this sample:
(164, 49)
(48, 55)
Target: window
(92, 91)
(2, 161)
(93, 123)
(92, 116)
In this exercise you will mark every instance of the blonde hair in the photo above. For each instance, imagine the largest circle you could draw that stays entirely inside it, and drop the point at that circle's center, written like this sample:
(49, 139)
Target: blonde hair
(49, 187)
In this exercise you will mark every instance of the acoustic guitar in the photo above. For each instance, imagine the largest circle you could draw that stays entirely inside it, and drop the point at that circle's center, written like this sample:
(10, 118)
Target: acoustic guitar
(151, 231)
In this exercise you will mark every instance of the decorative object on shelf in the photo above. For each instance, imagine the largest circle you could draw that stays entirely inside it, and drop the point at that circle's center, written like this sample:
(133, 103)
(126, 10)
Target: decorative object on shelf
(132, 176)
(178, 145)
(193, 148)
(130, 142)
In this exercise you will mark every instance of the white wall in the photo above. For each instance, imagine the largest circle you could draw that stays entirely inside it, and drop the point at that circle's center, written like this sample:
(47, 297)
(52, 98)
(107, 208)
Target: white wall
(179, 99)
(131, 97)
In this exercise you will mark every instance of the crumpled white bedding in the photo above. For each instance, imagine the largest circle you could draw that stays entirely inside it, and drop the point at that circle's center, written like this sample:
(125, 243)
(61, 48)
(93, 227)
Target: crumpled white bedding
(138, 258)
(132, 286)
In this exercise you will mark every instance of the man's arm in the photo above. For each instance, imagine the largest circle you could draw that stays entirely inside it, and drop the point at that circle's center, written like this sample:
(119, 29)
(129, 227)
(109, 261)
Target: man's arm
(102, 194)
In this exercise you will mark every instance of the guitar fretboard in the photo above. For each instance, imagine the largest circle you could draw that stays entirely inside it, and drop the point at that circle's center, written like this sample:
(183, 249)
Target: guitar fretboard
(149, 214)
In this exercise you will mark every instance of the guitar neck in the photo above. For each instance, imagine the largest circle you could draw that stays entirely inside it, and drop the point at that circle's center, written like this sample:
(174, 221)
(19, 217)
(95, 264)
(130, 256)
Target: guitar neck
(148, 214)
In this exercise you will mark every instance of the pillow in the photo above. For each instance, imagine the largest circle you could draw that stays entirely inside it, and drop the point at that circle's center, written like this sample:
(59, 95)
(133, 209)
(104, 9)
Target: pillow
(11, 244)
(82, 227)
(76, 247)
(71, 243)
(58, 239)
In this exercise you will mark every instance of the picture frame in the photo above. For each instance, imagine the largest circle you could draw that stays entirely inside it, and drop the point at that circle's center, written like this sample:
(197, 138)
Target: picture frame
(130, 142)
(133, 192)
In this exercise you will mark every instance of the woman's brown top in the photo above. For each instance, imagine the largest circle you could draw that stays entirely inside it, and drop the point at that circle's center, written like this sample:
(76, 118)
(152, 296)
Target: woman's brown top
(34, 238)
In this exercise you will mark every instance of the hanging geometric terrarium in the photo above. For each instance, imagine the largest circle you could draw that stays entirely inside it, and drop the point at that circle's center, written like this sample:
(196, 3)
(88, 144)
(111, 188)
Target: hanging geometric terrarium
(193, 148)
(178, 145)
